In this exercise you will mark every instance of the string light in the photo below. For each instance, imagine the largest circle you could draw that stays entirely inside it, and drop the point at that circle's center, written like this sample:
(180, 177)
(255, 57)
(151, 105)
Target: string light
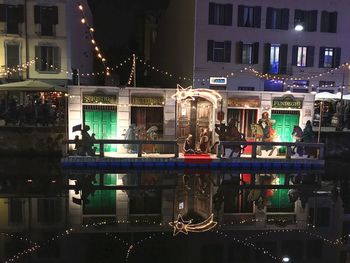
(91, 30)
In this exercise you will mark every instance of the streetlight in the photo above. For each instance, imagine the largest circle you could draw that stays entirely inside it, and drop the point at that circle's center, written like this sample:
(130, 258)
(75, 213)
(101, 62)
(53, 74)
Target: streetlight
(285, 259)
(298, 27)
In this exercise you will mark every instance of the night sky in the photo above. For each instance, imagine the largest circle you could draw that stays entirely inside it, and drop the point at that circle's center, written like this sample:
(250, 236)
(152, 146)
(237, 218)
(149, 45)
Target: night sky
(115, 22)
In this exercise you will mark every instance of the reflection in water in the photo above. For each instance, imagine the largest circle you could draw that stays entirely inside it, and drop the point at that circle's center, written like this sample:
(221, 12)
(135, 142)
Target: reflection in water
(49, 215)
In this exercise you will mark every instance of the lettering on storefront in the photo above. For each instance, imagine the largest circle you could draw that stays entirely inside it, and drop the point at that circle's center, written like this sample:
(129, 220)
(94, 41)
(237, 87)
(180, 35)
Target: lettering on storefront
(99, 99)
(158, 101)
(287, 102)
(243, 102)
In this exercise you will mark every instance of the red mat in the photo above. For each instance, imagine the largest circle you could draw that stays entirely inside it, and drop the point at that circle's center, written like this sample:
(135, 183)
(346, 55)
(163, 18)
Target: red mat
(202, 158)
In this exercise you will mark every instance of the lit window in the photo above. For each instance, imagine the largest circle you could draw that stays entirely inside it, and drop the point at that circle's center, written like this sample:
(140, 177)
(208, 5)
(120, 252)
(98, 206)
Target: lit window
(301, 61)
(274, 58)
(247, 54)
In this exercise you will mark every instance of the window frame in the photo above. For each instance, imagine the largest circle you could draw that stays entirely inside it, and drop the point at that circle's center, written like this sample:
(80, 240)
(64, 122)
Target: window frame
(55, 68)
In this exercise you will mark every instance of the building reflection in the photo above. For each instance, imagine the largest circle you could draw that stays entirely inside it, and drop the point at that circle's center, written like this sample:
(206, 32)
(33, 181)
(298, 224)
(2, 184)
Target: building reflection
(294, 214)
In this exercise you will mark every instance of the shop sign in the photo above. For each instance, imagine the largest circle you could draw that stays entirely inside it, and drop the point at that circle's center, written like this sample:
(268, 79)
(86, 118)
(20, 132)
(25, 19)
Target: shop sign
(287, 102)
(218, 81)
(244, 102)
(99, 99)
(158, 101)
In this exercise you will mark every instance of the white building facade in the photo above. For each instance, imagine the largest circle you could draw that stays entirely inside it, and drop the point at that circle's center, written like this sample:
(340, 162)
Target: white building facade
(252, 52)
(43, 40)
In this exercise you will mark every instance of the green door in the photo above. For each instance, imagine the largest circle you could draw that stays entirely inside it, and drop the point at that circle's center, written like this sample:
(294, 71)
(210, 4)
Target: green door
(284, 124)
(104, 124)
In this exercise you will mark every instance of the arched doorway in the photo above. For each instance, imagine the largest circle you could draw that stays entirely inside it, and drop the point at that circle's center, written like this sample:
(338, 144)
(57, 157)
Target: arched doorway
(195, 111)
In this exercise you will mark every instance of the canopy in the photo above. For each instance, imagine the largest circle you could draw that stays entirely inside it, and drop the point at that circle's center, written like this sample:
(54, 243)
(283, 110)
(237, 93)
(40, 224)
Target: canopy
(346, 97)
(326, 96)
(32, 85)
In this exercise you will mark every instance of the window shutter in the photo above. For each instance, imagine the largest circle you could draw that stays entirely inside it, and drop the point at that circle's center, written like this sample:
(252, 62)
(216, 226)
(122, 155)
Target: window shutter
(255, 53)
(54, 12)
(210, 51)
(336, 60)
(240, 15)
(239, 48)
(20, 11)
(294, 55)
(285, 19)
(310, 53)
(321, 57)
(37, 58)
(37, 15)
(298, 17)
(56, 58)
(257, 16)
(3, 13)
(227, 51)
(324, 21)
(267, 50)
(269, 11)
(283, 59)
(228, 15)
(312, 20)
(333, 22)
(211, 13)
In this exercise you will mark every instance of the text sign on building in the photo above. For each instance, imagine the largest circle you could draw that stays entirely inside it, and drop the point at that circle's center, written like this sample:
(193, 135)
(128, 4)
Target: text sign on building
(157, 101)
(287, 102)
(218, 81)
(243, 102)
(99, 99)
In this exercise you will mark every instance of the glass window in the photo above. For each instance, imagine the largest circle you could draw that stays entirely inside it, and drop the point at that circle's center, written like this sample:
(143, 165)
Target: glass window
(219, 51)
(301, 60)
(248, 16)
(274, 58)
(328, 58)
(247, 54)
(48, 58)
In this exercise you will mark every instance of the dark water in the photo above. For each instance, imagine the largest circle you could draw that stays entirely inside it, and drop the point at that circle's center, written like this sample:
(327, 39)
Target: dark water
(52, 215)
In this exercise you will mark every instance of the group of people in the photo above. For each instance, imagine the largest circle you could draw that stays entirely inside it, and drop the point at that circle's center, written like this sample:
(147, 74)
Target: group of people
(32, 113)
(189, 145)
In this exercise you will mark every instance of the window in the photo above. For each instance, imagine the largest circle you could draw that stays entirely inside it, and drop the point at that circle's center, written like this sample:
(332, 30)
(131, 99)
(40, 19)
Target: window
(329, 57)
(277, 18)
(220, 14)
(273, 85)
(247, 53)
(48, 58)
(303, 56)
(219, 51)
(329, 22)
(249, 16)
(12, 16)
(12, 55)
(326, 84)
(246, 88)
(307, 18)
(46, 17)
(275, 58)
(49, 210)
(301, 86)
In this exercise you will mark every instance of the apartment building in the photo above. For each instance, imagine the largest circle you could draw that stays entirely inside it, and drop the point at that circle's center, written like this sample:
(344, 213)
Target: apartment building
(259, 55)
(43, 40)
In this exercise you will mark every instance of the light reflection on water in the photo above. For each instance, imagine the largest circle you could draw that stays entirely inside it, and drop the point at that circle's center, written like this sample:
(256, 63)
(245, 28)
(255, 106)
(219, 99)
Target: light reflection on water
(124, 215)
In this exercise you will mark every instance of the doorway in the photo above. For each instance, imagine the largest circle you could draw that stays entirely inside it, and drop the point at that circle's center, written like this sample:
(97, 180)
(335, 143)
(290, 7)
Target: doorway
(244, 119)
(102, 121)
(284, 123)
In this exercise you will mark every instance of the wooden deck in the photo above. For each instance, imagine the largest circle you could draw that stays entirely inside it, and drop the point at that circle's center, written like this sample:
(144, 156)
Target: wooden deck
(176, 160)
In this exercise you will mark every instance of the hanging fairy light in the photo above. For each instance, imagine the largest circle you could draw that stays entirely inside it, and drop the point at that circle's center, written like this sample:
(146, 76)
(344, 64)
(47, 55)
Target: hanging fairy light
(91, 30)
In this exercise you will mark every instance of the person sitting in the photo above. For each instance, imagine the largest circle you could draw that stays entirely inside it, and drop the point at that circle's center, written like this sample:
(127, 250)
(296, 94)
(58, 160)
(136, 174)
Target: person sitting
(204, 142)
(187, 147)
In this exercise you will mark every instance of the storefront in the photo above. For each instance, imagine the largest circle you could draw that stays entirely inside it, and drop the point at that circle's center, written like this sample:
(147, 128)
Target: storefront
(146, 112)
(100, 114)
(244, 111)
(286, 112)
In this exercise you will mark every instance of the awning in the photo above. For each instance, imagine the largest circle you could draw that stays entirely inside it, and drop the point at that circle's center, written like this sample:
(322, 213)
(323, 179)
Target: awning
(32, 85)
(326, 96)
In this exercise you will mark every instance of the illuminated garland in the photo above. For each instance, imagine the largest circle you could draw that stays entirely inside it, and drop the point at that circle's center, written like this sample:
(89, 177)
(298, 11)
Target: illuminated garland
(132, 73)
(91, 33)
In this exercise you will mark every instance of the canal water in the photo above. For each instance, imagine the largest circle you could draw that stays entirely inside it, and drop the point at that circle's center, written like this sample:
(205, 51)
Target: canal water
(50, 214)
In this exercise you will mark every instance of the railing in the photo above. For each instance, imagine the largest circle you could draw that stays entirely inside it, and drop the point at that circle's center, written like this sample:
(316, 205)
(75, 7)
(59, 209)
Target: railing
(138, 143)
(289, 145)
